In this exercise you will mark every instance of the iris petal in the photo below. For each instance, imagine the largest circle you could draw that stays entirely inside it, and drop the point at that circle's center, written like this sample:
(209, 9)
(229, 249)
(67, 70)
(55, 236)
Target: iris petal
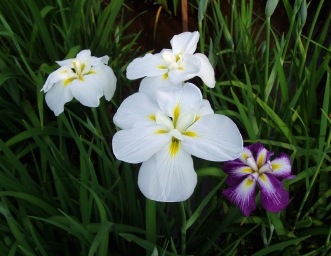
(217, 138)
(168, 178)
(242, 195)
(207, 73)
(185, 42)
(262, 154)
(188, 68)
(273, 197)
(281, 166)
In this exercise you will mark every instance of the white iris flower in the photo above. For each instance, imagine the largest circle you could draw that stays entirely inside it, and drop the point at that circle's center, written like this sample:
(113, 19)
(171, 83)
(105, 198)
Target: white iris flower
(172, 67)
(86, 78)
(164, 133)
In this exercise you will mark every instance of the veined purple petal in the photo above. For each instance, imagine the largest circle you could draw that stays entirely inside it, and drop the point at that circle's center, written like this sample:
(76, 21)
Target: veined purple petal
(262, 154)
(236, 169)
(281, 166)
(273, 197)
(246, 153)
(242, 195)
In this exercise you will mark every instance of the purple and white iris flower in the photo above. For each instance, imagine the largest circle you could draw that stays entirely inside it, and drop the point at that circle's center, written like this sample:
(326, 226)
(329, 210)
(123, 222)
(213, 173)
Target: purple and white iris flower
(172, 66)
(86, 78)
(254, 167)
(164, 133)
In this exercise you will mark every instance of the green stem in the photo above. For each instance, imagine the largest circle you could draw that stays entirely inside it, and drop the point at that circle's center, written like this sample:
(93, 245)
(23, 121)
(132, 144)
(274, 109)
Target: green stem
(183, 230)
(267, 44)
(150, 223)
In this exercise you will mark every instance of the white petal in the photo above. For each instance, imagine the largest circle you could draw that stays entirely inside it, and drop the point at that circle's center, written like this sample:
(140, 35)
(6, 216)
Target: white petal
(205, 109)
(189, 68)
(164, 120)
(84, 55)
(213, 137)
(185, 42)
(150, 85)
(207, 73)
(66, 63)
(89, 91)
(185, 119)
(168, 178)
(108, 78)
(183, 98)
(138, 144)
(57, 96)
(149, 65)
(61, 73)
(135, 108)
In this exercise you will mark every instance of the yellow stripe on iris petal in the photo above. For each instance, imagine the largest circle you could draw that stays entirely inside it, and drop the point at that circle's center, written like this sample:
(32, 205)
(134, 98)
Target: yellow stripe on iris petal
(91, 72)
(68, 81)
(248, 183)
(165, 76)
(246, 170)
(152, 117)
(260, 160)
(197, 118)
(162, 67)
(263, 178)
(160, 132)
(174, 146)
(276, 166)
(176, 114)
(190, 134)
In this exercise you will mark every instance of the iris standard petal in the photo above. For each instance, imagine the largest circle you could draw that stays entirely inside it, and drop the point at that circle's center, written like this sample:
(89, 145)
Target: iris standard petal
(281, 166)
(150, 85)
(139, 143)
(57, 96)
(108, 78)
(207, 73)
(166, 177)
(137, 107)
(175, 100)
(236, 169)
(242, 195)
(87, 91)
(187, 69)
(214, 138)
(185, 42)
(149, 65)
(273, 197)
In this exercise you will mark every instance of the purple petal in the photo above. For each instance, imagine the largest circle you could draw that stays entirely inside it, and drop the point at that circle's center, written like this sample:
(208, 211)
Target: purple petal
(242, 195)
(262, 154)
(281, 166)
(273, 197)
(236, 171)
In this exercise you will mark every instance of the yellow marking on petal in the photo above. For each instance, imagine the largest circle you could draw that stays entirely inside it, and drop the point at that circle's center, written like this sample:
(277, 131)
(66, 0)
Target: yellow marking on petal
(245, 156)
(197, 118)
(160, 132)
(162, 67)
(82, 67)
(177, 57)
(248, 183)
(63, 71)
(260, 160)
(263, 178)
(276, 166)
(190, 134)
(152, 117)
(174, 146)
(68, 81)
(91, 72)
(176, 114)
(165, 76)
(181, 68)
(246, 170)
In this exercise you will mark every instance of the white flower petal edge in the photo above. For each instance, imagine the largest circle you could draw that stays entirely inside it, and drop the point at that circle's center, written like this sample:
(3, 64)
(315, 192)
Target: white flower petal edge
(213, 137)
(207, 73)
(138, 144)
(168, 178)
(132, 110)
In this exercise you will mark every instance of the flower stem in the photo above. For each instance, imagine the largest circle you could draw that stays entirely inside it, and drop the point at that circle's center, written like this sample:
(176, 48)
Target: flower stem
(183, 230)
(150, 223)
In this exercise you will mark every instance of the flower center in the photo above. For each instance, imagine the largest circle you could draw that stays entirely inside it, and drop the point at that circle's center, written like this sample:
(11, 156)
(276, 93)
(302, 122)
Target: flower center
(79, 69)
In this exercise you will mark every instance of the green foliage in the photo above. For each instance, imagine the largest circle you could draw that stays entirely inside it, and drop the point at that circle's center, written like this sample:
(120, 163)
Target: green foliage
(62, 191)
